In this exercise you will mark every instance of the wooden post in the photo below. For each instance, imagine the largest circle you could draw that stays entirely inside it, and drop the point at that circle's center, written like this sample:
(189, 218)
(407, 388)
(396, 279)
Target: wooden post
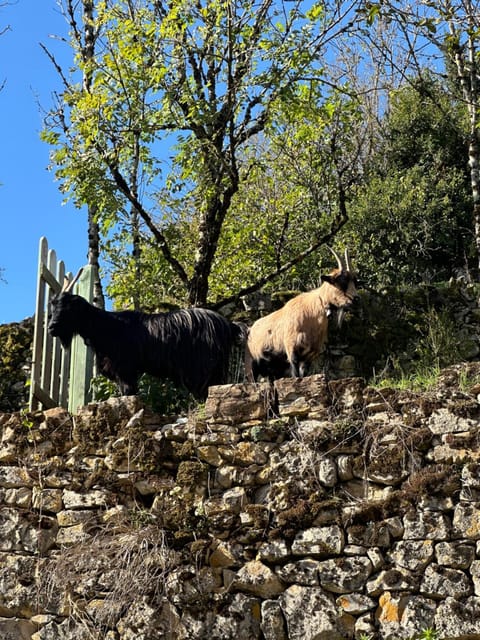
(81, 357)
(38, 330)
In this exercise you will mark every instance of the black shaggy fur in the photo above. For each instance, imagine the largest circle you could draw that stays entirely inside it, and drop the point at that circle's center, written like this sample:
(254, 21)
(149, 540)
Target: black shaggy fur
(191, 347)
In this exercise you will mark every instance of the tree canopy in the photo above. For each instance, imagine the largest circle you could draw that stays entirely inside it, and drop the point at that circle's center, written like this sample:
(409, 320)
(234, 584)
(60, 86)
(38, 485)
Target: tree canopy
(219, 144)
(163, 136)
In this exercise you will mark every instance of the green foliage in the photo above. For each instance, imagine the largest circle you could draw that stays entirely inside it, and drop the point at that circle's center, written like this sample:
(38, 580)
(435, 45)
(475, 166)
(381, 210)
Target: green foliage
(405, 336)
(402, 231)
(162, 396)
(410, 221)
(291, 196)
(163, 125)
(427, 634)
(440, 343)
(425, 126)
(417, 380)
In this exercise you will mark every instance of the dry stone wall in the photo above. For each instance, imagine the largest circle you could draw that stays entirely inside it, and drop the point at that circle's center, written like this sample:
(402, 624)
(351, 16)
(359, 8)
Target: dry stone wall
(15, 362)
(313, 510)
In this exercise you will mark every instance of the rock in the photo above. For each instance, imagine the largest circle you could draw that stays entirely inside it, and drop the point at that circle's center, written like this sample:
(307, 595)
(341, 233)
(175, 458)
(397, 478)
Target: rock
(444, 421)
(475, 572)
(303, 396)
(224, 555)
(235, 499)
(375, 534)
(68, 536)
(94, 498)
(347, 393)
(47, 500)
(304, 572)
(319, 541)
(16, 629)
(21, 533)
(327, 472)
(273, 624)
(345, 575)
(237, 403)
(454, 619)
(418, 615)
(356, 603)
(457, 555)
(273, 551)
(18, 590)
(239, 620)
(440, 582)
(428, 525)
(389, 611)
(345, 467)
(14, 477)
(257, 579)
(21, 497)
(404, 616)
(311, 614)
(412, 554)
(243, 454)
(143, 622)
(210, 455)
(395, 579)
(466, 521)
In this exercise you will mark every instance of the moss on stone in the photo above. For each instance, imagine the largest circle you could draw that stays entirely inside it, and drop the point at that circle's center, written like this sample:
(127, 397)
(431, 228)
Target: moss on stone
(15, 358)
(191, 473)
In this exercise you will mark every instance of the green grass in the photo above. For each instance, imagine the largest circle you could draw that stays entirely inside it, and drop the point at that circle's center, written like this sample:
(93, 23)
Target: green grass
(423, 379)
(427, 634)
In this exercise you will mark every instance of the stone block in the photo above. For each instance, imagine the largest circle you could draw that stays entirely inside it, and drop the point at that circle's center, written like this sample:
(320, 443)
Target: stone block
(297, 397)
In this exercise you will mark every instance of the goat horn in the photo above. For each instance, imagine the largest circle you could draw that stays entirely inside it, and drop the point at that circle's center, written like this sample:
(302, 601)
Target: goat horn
(341, 266)
(69, 284)
(347, 261)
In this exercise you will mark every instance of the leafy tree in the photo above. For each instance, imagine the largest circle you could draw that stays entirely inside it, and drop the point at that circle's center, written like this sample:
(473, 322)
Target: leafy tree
(444, 38)
(200, 82)
(306, 165)
(410, 222)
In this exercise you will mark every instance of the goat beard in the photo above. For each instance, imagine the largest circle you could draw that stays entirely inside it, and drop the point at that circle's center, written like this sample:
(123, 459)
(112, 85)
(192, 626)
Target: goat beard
(340, 316)
(65, 337)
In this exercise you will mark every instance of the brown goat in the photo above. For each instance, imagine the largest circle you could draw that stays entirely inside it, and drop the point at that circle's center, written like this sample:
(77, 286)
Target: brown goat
(287, 341)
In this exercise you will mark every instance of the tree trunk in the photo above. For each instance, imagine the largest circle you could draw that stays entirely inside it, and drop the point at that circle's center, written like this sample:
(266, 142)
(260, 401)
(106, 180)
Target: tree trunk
(209, 234)
(474, 164)
(93, 256)
(88, 52)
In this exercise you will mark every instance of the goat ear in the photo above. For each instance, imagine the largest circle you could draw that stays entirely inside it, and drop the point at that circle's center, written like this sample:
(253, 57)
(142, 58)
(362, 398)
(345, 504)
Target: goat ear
(327, 278)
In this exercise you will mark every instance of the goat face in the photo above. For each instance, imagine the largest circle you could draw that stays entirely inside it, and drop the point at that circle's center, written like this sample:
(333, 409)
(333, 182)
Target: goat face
(63, 318)
(342, 291)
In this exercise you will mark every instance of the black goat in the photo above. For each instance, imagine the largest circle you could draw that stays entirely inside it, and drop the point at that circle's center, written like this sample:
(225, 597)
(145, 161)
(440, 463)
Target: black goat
(191, 347)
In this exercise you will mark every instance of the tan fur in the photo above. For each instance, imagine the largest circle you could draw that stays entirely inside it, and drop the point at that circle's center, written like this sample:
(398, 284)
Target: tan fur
(300, 326)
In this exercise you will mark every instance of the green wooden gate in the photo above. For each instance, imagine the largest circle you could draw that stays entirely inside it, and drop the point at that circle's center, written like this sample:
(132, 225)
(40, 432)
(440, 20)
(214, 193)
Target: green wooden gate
(59, 377)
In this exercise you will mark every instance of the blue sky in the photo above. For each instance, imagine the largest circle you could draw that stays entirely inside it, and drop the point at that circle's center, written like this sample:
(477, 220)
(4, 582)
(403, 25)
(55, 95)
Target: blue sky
(30, 202)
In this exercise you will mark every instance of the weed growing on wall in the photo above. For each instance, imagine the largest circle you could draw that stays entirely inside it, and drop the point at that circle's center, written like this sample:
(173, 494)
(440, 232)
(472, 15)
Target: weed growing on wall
(130, 560)
(427, 634)
(162, 396)
(440, 343)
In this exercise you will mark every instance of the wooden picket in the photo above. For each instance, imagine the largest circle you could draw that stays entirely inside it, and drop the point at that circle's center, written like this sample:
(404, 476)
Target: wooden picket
(59, 377)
